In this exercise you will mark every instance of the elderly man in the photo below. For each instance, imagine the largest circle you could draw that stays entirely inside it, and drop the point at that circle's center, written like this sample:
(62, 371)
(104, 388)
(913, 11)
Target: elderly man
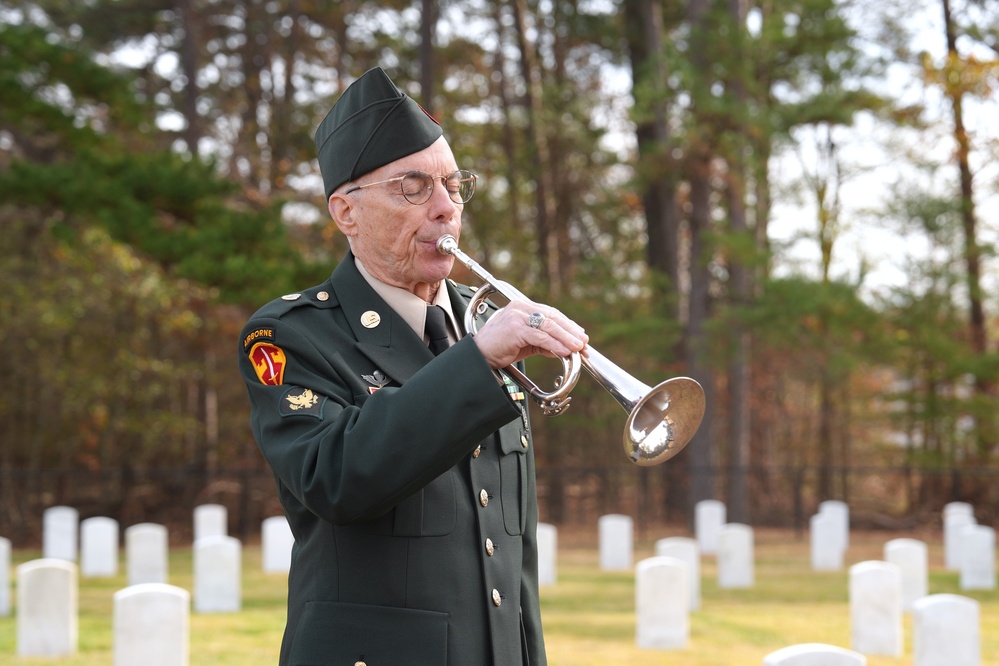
(402, 451)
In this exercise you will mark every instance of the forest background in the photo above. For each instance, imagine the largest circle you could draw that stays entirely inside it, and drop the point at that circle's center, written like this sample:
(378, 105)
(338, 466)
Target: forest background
(712, 187)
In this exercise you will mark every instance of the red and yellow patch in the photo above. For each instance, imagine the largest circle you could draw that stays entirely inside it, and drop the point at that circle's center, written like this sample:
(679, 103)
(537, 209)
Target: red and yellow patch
(268, 362)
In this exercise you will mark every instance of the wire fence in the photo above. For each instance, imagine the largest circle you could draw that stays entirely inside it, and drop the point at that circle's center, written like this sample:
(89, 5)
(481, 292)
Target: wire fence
(888, 498)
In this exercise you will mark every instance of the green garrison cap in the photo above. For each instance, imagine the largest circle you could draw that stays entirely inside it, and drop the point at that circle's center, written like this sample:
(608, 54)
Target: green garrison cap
(372, 124)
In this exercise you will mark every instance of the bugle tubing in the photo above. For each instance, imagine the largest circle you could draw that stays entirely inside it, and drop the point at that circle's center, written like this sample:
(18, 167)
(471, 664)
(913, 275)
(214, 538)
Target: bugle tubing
(661, 420)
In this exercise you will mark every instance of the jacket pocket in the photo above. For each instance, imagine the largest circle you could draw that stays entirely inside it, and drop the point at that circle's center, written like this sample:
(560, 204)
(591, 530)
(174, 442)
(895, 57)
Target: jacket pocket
(331, 634)
(431, 511)
(513, 477)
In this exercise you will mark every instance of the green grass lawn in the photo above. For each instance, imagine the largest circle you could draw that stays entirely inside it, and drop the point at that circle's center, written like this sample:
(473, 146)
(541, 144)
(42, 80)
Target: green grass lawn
(588, 614)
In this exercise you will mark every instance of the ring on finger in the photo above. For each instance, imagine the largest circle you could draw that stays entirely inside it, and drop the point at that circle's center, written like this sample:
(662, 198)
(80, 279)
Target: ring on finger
(535, 320)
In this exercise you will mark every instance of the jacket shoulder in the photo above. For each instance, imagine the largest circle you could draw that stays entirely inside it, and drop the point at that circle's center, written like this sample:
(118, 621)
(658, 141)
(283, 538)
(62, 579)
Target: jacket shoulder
(321, 296)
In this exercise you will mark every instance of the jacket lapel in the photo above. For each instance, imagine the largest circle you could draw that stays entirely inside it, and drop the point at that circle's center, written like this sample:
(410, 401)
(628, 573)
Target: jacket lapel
(381, 334)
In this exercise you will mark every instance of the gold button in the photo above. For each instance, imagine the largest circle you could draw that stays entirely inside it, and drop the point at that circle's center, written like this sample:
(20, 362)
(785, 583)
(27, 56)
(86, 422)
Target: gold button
(477, 451)
(490, 548)
(483, 497)
(323, 296)
(523, 439)
(360, 663)
(497, 599)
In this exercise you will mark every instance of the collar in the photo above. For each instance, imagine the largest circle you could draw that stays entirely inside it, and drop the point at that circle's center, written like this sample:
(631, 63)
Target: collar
(409, 306)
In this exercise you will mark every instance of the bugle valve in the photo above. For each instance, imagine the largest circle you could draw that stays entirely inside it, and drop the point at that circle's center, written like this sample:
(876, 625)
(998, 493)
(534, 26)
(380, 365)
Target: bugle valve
(661, 419)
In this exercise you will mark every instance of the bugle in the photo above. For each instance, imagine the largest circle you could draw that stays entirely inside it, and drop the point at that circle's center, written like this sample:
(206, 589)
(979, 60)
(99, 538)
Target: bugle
(661, 419)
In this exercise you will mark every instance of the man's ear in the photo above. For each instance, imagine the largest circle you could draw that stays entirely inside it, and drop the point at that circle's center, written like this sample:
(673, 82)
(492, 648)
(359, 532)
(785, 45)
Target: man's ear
(342, 211)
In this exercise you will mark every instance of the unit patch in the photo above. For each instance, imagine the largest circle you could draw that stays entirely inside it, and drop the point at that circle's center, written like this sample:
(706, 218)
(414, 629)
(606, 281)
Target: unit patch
(268, 362)
(302, 402)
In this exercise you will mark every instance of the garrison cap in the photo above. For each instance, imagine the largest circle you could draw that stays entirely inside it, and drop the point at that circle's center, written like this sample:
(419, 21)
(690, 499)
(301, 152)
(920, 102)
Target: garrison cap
(373, 123)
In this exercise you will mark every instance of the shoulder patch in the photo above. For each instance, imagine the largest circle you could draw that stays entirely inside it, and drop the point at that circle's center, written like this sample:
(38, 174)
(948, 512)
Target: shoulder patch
(300, 401)
(258, 335)
(268, 362)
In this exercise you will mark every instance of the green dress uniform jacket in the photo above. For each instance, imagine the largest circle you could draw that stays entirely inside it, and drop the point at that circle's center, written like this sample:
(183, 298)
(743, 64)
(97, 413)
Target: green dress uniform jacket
(408, 482)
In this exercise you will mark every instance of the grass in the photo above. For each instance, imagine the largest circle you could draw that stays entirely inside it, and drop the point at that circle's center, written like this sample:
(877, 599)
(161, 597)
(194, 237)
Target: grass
(588, 615)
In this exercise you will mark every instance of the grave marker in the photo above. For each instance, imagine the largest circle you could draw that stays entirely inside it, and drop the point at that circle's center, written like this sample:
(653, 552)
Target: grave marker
(661, 603)
(47, 608)
(876, 608)
(616, 542)
(98, 547)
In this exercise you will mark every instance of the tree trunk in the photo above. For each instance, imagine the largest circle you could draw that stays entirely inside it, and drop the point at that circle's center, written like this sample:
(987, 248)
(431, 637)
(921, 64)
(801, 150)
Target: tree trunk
(699, 149)
(541, 163)
(972, 252)
(428, 25)
(189, 65)
(741, 289)
(509, 138)
(648, 70)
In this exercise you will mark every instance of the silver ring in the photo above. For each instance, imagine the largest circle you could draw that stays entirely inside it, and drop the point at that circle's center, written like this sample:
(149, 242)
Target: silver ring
(535, 320)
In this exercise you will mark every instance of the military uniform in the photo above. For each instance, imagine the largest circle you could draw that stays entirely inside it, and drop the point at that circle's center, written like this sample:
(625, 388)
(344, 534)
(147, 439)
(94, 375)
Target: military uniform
(408, 481)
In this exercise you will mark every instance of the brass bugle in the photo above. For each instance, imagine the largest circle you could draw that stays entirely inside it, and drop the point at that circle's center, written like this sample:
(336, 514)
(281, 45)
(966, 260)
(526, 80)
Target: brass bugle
(661, 419)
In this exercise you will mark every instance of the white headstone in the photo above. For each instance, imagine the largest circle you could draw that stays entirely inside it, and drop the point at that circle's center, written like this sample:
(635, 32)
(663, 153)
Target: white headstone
(276, 541)
(841, 514)
(59, 532)
(152, 625)
(685, 550)
(5, 560)
(953, 524)
(146, 553)
(709, 516)
(826, 540)
(616, 544)
(99, 547)
(217, 575)
(911, 557)
(814, 654)
(945, 631)
(47, 608)
(736, 560)
(876, 608)
(958, 507)
(978, 558)
(661, 603)
(547, 554)
(210, 520)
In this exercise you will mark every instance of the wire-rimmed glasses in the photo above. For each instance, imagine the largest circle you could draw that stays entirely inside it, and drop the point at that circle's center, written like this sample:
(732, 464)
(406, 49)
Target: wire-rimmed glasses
(417, 186)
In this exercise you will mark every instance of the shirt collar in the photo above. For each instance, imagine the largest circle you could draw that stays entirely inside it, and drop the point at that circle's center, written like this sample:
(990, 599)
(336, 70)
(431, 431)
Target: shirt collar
(409, 306)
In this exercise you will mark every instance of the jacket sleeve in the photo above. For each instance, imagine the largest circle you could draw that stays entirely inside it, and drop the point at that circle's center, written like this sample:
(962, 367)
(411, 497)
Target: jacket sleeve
(352, 455)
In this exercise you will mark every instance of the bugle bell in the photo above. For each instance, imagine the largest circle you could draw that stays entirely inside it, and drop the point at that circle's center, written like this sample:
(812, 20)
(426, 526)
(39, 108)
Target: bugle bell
(661, 419)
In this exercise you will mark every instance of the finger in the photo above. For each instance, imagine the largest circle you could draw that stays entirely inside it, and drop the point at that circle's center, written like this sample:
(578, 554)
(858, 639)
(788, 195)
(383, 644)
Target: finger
(556, 334)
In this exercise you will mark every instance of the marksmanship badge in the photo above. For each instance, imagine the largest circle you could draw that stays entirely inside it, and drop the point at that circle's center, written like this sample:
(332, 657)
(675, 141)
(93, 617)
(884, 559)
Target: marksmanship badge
(377, 378)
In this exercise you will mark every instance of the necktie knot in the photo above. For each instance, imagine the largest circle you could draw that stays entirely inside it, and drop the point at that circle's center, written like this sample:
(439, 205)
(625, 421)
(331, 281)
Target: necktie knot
(436, 329)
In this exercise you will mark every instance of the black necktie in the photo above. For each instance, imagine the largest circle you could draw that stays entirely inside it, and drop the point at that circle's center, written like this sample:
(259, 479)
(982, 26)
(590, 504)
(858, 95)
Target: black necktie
(436, 329)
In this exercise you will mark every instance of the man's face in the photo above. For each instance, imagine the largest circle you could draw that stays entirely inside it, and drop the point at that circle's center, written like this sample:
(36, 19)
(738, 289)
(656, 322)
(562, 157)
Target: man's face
(394, 239)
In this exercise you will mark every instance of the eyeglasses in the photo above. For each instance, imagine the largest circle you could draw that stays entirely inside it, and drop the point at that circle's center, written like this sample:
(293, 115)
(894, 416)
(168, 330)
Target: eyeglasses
(417, 186)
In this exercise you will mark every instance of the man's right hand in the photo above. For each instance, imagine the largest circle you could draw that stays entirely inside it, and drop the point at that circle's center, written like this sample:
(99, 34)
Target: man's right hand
(509, 337)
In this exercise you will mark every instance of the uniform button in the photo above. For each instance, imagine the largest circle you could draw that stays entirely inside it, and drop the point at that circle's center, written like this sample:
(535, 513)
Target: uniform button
(323, 296)
(360, 663)
(490, 548)
(523, 439)
(477, 451)
(483, 497)
(497, 599)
